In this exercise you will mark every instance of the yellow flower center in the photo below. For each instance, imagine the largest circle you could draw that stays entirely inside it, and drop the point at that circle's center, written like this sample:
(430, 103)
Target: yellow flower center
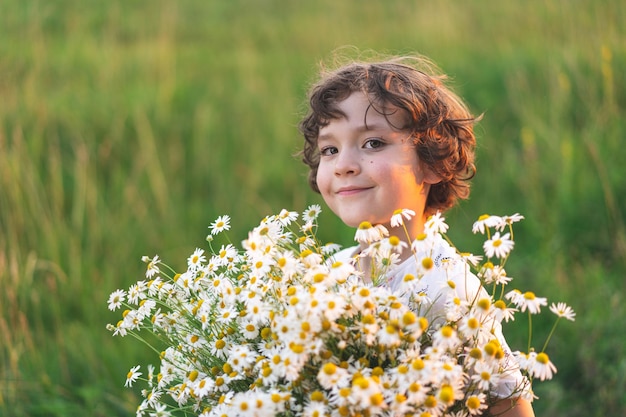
(484, 303)
(446, 395)
(365, 226)
(543, 358)
(427, 263)
(473, 403)
(447, 331)
(317, 396)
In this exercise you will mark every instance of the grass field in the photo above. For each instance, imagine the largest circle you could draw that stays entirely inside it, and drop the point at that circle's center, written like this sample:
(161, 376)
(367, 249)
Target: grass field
(126, 127)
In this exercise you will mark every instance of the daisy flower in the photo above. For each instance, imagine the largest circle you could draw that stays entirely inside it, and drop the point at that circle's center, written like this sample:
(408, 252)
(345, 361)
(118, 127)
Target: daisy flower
(116, 299)
(150, 376)
(314, 409)
(366, 233)
(196, 259)
(447, 394)
(484, 222)
(311, 213)
(287, 217)
(491, 273)
(226, 254)
(446, 338)
(471, 259)
(137, 292)
(203, 386)
(241, 357)
(563, 310)
(539, 366)
(470, 326)
(132, 376)
(436, 223)
(397, 245)
(389, 335)
(221, 224)
(398, 215)
(331, 375)
(508, 220)
(485, 375)
(331, 248)
(476, 404)
(498, 246)
(152, 267)
(527, 300)
(503, 312)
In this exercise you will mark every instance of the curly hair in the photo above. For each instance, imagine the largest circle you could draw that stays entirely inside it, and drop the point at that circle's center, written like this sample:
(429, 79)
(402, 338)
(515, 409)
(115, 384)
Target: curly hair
(439, 123)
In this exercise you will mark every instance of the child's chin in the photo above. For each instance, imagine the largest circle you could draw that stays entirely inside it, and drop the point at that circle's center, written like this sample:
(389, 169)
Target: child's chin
(351, 221)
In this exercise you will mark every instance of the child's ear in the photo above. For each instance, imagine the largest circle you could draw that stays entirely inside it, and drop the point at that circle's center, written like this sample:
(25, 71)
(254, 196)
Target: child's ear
(428, 175)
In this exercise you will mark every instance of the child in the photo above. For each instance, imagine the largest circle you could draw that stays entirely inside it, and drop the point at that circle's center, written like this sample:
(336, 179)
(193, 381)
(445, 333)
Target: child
(385, 136)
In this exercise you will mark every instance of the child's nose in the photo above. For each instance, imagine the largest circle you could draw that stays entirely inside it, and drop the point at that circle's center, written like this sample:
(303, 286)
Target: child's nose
(347, 163)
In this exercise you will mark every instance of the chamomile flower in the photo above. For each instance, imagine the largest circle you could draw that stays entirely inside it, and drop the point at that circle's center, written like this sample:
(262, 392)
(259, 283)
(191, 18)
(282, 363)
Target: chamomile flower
(242, 357)
(396, 245)
(436, 223)
(446, 338)
(367, 233)
(508, 220)
(331, 248)
(287, 217)
(330, 375)
(563, 310)
(116, 299)
(498, 246)
(311, 213)
(470, 326)
(471, 259)
(447, 394)
(196, 259)
(315, 409)
(249, 330)
(503, 312)
(153, 265)
(307, 227)
(389, 335)
(476, 404)
(399, 215)
(220, 225)
(485, 222)
(227, 253)
(132, 376)
(485, 376)
(220, 348)
(494, 274)
(527, 300)
(540, 366)
(137, 292)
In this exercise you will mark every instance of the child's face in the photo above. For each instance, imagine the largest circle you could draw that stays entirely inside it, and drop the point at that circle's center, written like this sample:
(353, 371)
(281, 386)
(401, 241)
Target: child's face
(368, 169)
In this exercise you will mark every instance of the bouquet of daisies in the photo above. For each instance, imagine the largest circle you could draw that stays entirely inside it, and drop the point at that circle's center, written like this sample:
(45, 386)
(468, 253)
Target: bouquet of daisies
(281, 327)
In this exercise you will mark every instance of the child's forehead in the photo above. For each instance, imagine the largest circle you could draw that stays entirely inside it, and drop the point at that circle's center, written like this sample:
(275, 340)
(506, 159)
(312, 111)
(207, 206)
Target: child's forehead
(362, 108)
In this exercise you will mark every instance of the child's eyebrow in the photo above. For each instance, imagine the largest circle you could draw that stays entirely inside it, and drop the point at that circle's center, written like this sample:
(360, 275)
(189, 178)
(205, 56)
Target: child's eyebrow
(360, 129)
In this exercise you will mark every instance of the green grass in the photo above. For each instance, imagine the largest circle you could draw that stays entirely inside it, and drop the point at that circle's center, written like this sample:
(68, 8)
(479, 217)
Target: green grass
(127, 127)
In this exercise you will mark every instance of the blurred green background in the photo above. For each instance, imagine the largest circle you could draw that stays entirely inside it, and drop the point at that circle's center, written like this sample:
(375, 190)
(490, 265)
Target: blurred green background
(126, 127)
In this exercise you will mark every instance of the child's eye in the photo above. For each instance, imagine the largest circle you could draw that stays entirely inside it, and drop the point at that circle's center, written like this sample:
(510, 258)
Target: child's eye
(328, 150)
(373, 143)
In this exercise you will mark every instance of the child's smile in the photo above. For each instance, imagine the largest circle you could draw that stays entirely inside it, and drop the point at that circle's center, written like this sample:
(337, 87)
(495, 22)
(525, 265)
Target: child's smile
(368, 168)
